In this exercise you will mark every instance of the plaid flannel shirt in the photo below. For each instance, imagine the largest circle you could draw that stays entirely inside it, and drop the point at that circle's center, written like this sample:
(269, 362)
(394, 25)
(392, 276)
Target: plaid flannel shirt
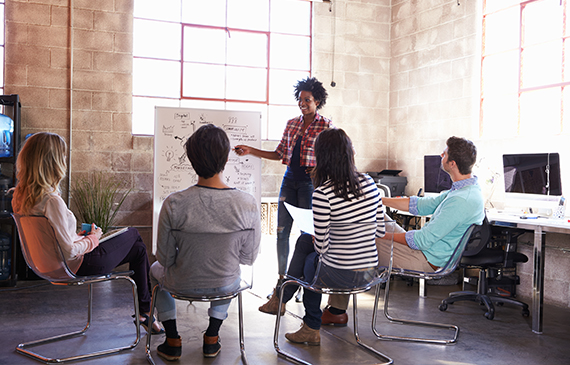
(293, 130)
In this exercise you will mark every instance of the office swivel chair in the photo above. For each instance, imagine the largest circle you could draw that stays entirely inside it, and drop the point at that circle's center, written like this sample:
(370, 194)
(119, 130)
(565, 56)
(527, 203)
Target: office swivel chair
(496, 265)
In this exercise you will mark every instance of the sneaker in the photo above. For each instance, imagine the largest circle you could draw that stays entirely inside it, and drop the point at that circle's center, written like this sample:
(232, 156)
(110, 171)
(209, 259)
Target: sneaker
(171, 349)
(211, 346)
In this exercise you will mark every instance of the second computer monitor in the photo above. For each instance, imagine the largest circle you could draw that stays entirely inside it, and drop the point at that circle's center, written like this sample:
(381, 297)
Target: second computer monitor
(435, 179)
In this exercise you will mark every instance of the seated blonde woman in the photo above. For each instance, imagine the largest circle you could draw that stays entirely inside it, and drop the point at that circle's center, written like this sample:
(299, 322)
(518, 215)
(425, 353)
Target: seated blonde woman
(41, 166)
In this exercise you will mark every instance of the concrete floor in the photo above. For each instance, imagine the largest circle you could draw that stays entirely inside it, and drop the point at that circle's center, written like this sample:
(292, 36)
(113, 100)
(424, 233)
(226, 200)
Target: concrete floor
(35, 310)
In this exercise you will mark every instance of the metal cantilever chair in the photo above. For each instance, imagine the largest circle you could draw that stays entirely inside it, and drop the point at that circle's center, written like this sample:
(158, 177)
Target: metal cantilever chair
(44, 256)
(363, 281)
(441, 272)
(245, 284)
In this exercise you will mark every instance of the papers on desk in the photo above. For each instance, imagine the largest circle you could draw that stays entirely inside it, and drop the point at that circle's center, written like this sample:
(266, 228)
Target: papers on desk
(303, 218)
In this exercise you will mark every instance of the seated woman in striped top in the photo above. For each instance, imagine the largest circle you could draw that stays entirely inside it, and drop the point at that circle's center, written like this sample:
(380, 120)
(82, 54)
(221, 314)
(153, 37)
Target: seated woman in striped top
(345, 201)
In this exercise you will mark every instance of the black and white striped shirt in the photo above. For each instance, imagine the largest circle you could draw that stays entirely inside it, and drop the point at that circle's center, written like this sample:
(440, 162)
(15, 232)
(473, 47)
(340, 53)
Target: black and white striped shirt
(345, 231)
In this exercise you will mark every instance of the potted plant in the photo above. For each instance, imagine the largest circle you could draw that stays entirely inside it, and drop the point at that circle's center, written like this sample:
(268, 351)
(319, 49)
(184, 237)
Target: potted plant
(98, 201)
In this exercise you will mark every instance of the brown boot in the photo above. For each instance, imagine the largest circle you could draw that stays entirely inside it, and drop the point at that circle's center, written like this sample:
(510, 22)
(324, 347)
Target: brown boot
(305, 335)
(272, 305)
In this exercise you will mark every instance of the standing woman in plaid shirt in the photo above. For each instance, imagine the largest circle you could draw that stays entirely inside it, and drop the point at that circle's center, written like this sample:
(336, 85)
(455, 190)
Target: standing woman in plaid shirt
(296, 150)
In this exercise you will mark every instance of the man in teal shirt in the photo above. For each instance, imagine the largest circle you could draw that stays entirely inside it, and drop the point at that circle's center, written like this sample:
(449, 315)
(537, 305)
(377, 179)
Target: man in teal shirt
(429, 248)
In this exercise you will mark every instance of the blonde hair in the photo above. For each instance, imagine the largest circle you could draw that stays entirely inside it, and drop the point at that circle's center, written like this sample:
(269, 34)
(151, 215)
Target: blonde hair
(40, 167)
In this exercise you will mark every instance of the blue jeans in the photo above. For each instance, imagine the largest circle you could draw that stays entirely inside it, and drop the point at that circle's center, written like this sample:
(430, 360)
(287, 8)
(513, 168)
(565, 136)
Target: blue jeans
(299, 194)
(303, 266)
(166, 305)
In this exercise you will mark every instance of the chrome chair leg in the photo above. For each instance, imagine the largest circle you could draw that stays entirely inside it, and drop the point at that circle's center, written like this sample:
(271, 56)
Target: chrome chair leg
(386, 360)
(408, 321)
(23, 348)
(241, 337)
(150, 322)
(276, 333)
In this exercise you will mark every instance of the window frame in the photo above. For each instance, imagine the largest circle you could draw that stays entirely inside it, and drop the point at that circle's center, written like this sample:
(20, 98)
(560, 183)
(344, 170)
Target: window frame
(522, 91)
(270, 118)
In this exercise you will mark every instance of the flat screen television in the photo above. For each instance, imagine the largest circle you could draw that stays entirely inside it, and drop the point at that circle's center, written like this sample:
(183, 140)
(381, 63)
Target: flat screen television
(532, 173)
(435, 179)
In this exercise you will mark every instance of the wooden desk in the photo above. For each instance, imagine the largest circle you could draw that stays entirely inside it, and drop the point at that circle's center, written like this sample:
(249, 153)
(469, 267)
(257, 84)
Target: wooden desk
(539, 226)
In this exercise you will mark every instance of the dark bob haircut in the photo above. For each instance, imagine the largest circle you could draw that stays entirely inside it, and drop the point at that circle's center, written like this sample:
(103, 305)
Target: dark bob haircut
(208, 149)
(463, 152)
(315, 87)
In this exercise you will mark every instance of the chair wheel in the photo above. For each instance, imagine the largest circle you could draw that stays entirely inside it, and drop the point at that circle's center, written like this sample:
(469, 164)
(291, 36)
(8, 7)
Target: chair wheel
(442, 306)
(489, 315)
(525, 312)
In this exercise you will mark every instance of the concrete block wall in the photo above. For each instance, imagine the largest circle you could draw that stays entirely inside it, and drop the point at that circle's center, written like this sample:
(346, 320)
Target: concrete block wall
(351, 46)
(40, 46)
(434, 80)
(406, 73)
(434, 93)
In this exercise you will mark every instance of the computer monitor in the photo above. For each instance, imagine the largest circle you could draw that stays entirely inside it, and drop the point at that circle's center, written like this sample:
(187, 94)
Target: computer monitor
(532, 173)
(435, 179)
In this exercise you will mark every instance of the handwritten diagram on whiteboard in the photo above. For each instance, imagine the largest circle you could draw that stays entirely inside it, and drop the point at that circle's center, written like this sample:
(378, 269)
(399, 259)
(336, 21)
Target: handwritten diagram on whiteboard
(173, 171)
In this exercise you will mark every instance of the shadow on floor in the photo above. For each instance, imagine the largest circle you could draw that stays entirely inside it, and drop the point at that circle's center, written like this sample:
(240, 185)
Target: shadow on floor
(35, 310)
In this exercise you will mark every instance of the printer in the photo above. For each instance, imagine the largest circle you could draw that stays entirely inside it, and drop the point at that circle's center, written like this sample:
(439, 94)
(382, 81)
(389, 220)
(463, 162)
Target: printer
(396, 184)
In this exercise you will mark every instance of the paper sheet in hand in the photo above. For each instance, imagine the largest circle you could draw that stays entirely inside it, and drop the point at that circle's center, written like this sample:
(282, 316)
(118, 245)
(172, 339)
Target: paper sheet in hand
(113, 233)
(303, 218)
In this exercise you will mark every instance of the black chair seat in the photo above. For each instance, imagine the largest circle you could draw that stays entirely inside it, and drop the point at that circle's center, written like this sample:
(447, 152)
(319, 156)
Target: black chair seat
(491, 257)
(479, 256)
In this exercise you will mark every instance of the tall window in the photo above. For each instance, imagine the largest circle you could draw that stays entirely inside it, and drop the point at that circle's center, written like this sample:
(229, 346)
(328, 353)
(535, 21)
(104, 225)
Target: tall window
(525, 68)
(220, 54)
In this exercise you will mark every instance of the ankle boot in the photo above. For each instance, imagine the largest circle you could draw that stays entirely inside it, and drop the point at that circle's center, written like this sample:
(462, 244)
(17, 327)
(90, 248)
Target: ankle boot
(212, 346)
(171, 349)
(272, 305)
(305, 335)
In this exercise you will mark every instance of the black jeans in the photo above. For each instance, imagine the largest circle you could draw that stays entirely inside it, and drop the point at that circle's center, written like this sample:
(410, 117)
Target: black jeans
(125, 248)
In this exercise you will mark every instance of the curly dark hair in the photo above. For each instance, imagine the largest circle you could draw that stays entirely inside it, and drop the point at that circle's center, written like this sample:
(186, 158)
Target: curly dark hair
(315, 87)
(335, 163)
(208, 149)
(463, 152)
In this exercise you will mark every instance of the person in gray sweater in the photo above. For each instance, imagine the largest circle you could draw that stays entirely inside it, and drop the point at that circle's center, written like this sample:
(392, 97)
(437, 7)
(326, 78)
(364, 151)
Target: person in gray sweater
(204, 233)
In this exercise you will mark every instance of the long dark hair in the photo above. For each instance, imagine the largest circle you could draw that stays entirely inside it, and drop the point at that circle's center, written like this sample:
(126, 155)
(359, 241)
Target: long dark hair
(335, 162)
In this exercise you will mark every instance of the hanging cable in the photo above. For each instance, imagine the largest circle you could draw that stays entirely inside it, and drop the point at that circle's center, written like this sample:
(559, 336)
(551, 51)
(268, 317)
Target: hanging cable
(70, 146)
(333, 32)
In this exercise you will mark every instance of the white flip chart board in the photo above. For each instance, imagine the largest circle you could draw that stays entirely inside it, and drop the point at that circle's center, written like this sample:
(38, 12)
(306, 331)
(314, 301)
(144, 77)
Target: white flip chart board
(173, 171)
